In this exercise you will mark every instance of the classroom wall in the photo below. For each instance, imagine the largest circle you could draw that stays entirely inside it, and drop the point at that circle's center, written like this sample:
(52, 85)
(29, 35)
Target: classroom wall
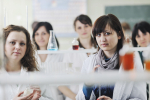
(16, 13)
(96, 8)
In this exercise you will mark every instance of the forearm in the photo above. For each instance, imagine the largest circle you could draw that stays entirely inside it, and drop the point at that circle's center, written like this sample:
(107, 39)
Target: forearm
(67, 92)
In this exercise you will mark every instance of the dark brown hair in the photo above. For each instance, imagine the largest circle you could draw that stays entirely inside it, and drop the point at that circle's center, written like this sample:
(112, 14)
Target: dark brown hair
(84, 19)
(48, 27)
(113, 22)
(143, 27)
(28, 61)
(125, 26)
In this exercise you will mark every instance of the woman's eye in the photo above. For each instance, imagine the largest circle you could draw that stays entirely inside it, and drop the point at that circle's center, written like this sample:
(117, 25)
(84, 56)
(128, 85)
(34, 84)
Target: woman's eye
(107, 33)
(79, 27)
(98, 35)
(12, 42)
(137, 36)
(86, 25)
(22, 43)
(43, 33)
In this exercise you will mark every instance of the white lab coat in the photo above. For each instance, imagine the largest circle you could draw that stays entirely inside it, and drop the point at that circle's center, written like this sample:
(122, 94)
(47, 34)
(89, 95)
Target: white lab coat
(77, 60)
(51, 58)
(122, 90)
(10, 91)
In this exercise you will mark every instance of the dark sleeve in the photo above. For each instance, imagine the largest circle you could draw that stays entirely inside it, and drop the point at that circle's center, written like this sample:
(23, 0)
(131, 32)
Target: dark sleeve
(87, 91)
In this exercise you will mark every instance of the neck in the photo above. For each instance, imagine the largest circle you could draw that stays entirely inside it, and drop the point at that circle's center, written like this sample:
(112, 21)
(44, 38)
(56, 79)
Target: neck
(109, 54)
(13, 66)
(86, 43)
(43, 48)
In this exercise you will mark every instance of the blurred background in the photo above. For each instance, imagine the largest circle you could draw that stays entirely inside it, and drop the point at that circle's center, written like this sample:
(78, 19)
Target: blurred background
(61, 13)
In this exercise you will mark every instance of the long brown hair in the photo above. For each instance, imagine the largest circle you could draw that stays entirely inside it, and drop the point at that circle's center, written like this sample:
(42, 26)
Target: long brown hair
(84, 19)
(28, 61)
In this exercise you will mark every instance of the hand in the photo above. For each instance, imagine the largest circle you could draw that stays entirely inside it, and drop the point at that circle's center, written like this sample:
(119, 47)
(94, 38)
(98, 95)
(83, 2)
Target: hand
(95, 68)
(28, 97)
(104, 98)
(36, 93)
(93, 71)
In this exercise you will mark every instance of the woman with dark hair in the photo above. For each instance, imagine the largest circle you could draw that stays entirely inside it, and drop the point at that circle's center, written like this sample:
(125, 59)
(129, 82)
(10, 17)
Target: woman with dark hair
(141, 38)
(141, 34)
(40, 37)
(108, 34)
(41, 34)
(19, 55)
(83, 27)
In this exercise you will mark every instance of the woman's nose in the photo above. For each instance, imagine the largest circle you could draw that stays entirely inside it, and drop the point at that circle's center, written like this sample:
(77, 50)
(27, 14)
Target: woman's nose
(103, 38)
(17, 46)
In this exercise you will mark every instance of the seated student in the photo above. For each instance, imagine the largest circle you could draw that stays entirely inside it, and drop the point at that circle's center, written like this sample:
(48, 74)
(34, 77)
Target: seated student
(141, 38)
(108, 34)
(20, 58)
(83, 27)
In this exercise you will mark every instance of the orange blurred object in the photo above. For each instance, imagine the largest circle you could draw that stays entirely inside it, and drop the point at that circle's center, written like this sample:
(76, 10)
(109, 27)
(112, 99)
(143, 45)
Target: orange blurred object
(128, 61)
(147, 65)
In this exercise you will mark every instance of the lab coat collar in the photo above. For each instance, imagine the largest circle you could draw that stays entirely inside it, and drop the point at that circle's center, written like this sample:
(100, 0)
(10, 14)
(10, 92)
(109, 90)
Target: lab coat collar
(13, 87)
(22, 72)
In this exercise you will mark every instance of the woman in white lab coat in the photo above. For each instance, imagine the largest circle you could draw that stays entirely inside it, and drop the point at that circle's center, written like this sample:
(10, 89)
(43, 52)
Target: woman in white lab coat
(141, 38)
(19, 54)
(108, 34)
(41, 34)
(83, 27)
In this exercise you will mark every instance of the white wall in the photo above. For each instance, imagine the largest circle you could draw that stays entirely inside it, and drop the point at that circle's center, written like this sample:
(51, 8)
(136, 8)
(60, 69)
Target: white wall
(16, 12)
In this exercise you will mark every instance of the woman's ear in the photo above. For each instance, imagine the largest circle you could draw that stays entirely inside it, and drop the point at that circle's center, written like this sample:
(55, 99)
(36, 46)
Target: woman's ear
(119, 36)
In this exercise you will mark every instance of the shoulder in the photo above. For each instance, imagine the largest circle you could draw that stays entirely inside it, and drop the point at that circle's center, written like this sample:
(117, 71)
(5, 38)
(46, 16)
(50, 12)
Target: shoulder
(88, 64)
(91, 58)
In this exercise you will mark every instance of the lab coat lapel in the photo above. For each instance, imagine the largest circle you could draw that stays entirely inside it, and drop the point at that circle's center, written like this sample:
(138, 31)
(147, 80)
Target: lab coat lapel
(22, 87)
(122, 90)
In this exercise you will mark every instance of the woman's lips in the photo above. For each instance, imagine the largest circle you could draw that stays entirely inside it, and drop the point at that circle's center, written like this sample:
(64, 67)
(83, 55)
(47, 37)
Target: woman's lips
(104, 45)
(16, 52)
(84, 33)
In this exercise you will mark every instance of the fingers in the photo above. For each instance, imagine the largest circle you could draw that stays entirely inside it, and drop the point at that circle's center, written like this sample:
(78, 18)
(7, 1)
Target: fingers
(28, 96)
(36, 96)
(20, 94)
(103, 97)
(95, 68)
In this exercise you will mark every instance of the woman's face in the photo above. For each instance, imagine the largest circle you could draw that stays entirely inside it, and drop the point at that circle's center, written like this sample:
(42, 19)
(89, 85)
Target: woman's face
(142, 39)
(108, 40)
(15, 46)
(42, 37)
(83, 30)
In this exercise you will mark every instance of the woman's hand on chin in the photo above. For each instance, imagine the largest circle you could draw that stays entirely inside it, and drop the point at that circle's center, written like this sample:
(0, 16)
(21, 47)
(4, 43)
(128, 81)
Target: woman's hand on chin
(104, 98)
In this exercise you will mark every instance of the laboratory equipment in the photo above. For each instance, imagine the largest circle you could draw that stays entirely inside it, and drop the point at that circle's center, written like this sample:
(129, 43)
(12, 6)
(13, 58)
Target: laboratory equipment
(75, 44)
(52, 44)
(146, 55)
(128, 63)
